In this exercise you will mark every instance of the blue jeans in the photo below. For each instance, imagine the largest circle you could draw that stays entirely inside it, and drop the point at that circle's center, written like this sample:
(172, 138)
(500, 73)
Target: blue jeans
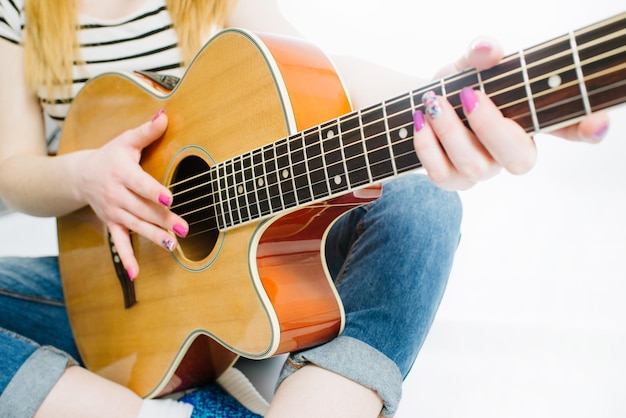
(390, 261)
(36, 343)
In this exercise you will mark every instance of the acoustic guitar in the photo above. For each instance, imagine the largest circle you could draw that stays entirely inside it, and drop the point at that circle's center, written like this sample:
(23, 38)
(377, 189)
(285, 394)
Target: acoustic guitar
(263, 153)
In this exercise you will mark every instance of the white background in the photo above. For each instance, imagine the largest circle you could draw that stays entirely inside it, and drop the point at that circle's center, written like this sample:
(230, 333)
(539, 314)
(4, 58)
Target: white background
(532, 324)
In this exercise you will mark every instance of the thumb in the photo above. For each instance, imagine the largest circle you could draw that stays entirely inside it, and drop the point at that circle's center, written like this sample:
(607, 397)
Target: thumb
(145, 134)
(482, 53)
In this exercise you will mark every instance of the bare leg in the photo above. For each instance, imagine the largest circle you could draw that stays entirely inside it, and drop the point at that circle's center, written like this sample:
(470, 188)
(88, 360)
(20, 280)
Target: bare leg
(80, 393)
(313, 392)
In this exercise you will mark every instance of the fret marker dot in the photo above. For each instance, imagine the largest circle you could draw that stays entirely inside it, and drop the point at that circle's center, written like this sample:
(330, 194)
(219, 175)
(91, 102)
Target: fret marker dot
(240, 189)
(260, 182)
(554, 81)
(285, 173)
(337, 180)
(330, 134)
(403, 133)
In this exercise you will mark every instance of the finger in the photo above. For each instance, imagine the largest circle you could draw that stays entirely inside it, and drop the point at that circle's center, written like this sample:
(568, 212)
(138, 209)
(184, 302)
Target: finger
(468, 155)
(124, 249)
(433, 157)
(591, 129)
(155, 214)
(482, 53)
(147, 133)
(144, 185)
(504, 139)
(148, 230)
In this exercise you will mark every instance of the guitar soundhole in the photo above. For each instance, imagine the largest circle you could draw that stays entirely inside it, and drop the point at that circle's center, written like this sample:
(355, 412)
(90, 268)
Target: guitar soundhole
(194, 201)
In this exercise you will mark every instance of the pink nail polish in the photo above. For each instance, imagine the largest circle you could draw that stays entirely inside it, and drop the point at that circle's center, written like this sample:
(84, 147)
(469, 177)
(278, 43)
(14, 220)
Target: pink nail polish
(600, 133)
(159, 113)
(130, 274)
(168, 244)
(468, 99)
(180, 230)
(418, 120)
(165, 200)
(482, 46)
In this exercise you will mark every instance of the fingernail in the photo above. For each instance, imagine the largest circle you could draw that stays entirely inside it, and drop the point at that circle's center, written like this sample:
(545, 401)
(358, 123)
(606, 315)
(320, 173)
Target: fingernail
(159, 113)
(468, 99)
(168, 244)
(165, 200)
(418, 120)
(482, 46)
(180, 230)
(601, 133)
(130, 274)
(431, 104)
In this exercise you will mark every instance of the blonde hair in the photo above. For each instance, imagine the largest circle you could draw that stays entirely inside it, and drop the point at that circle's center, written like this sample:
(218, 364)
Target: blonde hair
(51, 45)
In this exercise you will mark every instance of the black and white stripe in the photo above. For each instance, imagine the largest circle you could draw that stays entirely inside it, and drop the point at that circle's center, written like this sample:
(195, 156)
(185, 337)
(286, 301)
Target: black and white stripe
(146, 39)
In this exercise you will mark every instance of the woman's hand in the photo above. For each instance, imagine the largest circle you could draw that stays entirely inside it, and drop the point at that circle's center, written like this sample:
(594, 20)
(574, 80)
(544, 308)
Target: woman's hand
(125, 197)
(455, 157)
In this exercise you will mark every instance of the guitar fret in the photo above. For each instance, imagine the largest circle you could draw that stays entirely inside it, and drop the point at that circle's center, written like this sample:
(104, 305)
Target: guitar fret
(223, 196)
(315, 164)
(505, 85)
(250, 186)
(353, 148)
(388, 133)
(320, 138)
(375, 141)
(273, 188)
(261, 182)
(453, 86)
(529, 93)
(214, 198)
(333, 158)
(285, 174)
(231, 192)
(344, 157)
(302, 183)
(443, 88)
(400, 125)
(240, 190)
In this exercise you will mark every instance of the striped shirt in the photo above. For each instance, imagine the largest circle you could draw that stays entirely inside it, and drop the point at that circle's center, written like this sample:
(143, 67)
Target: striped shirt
(145, 40)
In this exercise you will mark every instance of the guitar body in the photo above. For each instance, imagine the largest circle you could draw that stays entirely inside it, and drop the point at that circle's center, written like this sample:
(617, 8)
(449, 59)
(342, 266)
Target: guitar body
(254, 290)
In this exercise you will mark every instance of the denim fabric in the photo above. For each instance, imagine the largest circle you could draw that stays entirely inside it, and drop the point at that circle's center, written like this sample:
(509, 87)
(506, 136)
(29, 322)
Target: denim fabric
(390, 261)
(33, 320)
(31, 302)
(30, 384)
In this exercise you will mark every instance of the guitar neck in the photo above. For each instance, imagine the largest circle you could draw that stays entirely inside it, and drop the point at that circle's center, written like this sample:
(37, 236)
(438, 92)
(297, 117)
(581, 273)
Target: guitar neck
(541, 88)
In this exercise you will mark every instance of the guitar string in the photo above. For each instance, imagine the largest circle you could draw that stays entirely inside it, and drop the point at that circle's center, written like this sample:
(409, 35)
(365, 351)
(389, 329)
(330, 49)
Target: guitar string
(295, 191)
(544, 46)
(492, 94)
(415, 93)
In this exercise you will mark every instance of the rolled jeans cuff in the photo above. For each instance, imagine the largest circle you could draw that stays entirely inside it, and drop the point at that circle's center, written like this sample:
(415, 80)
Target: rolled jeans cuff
(33, 382)
(357, 361)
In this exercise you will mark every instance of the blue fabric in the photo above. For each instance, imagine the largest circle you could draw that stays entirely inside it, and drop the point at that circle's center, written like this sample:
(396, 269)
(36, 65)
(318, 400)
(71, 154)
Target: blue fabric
(390, 261)
(212, 401)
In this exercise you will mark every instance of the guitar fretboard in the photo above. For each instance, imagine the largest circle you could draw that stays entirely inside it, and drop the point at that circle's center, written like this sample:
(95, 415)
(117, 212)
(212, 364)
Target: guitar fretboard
(541, 88)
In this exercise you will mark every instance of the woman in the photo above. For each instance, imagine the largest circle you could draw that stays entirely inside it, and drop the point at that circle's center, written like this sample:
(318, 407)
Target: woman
(359, 373)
